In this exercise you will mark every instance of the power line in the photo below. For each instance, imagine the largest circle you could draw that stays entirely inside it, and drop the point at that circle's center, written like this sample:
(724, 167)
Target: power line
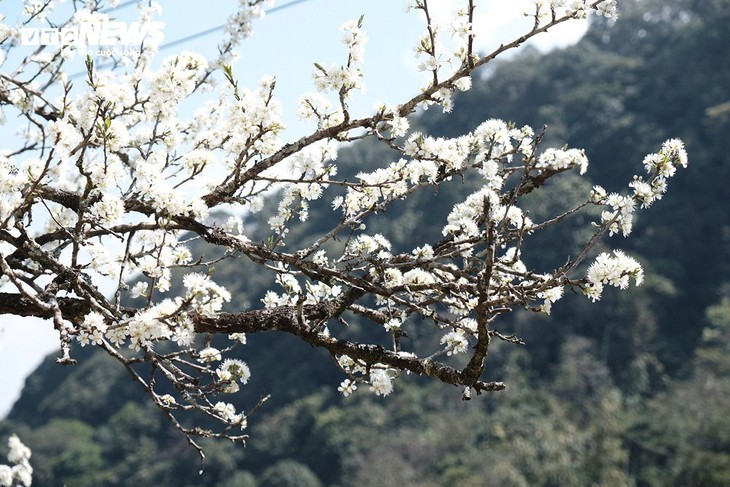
(221, 27)
(121, 5)
(191, 37)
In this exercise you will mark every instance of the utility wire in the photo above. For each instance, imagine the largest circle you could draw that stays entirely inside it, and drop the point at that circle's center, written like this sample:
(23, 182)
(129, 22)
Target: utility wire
(221, 27)
(121, 5)
(191, 37)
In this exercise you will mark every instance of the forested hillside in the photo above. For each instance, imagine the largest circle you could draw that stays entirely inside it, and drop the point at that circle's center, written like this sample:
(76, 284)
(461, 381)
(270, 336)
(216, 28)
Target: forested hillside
(632, 390)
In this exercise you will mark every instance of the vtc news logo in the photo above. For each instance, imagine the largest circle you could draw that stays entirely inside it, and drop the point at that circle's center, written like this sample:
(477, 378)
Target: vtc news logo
(94, 34)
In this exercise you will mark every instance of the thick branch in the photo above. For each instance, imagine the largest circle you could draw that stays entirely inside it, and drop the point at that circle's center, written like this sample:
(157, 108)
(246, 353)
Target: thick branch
(285, 319)
(73, 309)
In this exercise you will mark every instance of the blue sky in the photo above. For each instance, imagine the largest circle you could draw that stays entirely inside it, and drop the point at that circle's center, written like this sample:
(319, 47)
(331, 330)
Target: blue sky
(285, 43)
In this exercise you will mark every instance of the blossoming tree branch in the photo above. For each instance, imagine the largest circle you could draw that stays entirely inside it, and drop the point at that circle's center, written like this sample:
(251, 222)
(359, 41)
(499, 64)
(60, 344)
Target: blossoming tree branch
(111, 184)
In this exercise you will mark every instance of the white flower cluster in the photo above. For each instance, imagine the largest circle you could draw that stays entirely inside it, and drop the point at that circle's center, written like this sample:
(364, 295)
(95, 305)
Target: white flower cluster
(614, 271)
(311, 169)
(227, 412)
(380, 377)
(230, 371)
(464, 219)
(660, 166)
(347, 387)
(239, 26)
(93, 330)
(365, 245)
(166, 320)
(314, 106)
(559, 159)
(252, 125)
(608, 8)
(342, 79)
(11, 180)
(316, 292)
(37, 9)
(381, 381)
(204, 295)
(209, 354)
(455, 342)
(20, 473)
(489, 144)
(621, 216)
(175, 79)
(551, 296)
(442, 47)
(577, 8)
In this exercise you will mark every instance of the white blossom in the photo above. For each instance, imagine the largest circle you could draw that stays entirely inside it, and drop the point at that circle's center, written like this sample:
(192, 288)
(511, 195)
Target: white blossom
(209, 354)
(613, 271)
(380, 381)
(558, 159)
(21, 472)
(347, 387)
(454, 342)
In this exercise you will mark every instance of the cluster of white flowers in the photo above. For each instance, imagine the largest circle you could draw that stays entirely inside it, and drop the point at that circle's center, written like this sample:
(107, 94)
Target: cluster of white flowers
(577, 8)
(93, 330)
(452, 153)
(314, 106)
(175, 79)
(660, 166)
(490, 143)
(38, 9)
(342, 79)
(20, 473)
(558, 159)
(230, 371)
(147, 326)
(239, 26)
(381, 381)
(309, 172)
(379, 376)
(157, 252)
(551, 296)
(614, 271)
(621, 216)
(11, 180)
(608, 8)
(464, 219)
(398, 126)
(319, 291)
(253, 124)
(227, 412)
(455, 342)
(419, 278)
(347, 387)
(367, 245)
(209, 354)
(442, 47)
(203, 294)
(166, 320)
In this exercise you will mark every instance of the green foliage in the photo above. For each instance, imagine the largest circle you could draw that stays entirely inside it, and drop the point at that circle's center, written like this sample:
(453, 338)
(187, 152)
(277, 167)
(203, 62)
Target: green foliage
(683, 436)
(65, 452)
(288, 473)
(239, 479)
